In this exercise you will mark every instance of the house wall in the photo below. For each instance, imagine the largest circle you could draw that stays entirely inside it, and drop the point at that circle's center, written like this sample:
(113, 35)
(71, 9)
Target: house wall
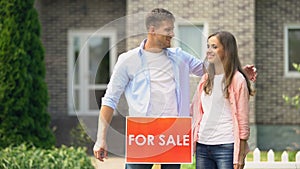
(57, 17)
(278, 123)
(218, 15)
(235, 16)
(257, 26)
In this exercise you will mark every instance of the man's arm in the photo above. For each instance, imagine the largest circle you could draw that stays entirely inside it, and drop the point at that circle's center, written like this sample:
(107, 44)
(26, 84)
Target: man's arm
(196, 66)
(100, 147)
(250, 71)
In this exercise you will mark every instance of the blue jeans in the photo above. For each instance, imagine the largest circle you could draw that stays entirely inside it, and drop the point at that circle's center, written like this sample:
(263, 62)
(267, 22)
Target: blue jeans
(149, 166)
(214, 156)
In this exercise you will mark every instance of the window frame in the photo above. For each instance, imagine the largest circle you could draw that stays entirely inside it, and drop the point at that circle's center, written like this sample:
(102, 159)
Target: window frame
(287, 73)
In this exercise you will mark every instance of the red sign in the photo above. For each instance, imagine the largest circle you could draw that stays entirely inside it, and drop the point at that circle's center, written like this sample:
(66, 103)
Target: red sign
(159, 140)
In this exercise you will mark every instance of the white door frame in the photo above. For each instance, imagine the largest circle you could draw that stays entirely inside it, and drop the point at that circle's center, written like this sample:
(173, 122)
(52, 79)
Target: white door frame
(83, 67)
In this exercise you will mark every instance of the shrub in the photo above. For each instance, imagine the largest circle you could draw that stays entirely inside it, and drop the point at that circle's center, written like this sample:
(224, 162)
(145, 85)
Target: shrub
(79, 136)
(23, 91)
(29, 157)
(294, 100)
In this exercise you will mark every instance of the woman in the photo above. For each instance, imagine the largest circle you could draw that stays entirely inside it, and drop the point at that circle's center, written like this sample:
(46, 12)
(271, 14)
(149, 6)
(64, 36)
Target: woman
(221, 107)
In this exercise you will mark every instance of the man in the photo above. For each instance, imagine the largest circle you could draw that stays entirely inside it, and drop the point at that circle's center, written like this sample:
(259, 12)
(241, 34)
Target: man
(154, 78)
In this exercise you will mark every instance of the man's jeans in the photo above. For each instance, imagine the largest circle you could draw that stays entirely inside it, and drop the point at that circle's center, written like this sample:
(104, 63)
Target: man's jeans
(214, 156)
(149, 166)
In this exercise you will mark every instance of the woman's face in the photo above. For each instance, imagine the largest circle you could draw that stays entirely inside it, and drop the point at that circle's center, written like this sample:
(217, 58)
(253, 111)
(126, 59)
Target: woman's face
(215, 50)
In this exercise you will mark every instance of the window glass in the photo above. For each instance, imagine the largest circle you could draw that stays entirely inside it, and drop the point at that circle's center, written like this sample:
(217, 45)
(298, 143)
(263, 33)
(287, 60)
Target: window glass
(191, 39)
(76, 50)
(99, 50)
(293, 48)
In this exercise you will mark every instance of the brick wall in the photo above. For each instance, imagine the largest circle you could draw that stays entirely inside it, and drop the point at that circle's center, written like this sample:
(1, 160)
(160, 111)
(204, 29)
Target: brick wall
(236, 16)
(257, 25)
(57, 17)
(271, 16)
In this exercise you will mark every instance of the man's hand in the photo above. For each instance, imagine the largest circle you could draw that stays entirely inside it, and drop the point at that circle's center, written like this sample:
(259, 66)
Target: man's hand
(250, 71)
(100, 153)
(100, 147)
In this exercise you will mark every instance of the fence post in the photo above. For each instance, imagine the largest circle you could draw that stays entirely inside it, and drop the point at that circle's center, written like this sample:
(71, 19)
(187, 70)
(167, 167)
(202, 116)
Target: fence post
(271, 163)
(271, 156)
(298, 157)
(256, 155)
(285, 157)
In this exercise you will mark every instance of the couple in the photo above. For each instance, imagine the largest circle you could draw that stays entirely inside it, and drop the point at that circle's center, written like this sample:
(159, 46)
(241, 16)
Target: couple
(220, 106)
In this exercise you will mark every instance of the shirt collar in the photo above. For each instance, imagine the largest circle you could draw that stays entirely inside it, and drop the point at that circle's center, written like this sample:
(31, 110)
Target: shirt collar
(142, 49)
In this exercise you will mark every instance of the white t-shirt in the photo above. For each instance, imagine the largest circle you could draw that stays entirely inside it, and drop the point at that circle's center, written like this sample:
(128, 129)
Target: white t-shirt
(163, 100)
(216, 126)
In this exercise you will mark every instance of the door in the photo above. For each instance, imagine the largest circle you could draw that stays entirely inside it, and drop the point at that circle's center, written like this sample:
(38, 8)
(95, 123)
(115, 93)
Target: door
(91, 60)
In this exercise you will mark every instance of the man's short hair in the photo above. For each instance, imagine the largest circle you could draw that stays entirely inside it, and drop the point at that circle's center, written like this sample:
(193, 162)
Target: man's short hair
(157, 15)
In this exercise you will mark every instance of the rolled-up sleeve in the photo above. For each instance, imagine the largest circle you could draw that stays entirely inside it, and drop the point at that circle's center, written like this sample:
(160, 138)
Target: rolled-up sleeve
(195, 65)
(243, 110)
(117, 83)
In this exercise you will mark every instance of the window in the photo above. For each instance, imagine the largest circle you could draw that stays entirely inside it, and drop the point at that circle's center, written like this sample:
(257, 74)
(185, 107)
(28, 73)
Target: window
(292, 50)
(91, 57)
(191, 38)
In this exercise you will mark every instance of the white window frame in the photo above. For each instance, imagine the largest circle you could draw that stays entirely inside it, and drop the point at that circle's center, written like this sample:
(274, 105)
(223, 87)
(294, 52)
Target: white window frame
(111, 33)
(287, 73)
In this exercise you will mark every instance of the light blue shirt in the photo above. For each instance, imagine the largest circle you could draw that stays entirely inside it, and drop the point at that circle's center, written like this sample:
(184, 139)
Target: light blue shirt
(132, 77)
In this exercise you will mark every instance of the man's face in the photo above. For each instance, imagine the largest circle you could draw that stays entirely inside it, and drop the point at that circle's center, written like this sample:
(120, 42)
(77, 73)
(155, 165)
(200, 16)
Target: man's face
(164, 33)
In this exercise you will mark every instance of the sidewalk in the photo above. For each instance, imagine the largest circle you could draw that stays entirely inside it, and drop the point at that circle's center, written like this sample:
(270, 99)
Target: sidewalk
(114, 162)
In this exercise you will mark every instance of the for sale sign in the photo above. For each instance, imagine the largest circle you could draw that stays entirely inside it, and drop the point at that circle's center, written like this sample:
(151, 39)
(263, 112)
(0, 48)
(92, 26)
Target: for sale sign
(159, 140)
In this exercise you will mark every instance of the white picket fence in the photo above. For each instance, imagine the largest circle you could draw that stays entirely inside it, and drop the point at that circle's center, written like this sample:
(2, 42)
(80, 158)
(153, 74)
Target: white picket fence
(271, 163)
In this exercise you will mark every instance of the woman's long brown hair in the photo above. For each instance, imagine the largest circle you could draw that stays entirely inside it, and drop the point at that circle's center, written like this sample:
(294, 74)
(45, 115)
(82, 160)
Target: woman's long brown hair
(231, 63)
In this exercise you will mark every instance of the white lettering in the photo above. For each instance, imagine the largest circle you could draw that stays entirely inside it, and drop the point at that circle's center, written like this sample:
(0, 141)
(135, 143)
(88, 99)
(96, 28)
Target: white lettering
(171, 141)
(130, 138)
(186, 140)
(177, 140)
(150, 140)
(141, 140)
(162, 141)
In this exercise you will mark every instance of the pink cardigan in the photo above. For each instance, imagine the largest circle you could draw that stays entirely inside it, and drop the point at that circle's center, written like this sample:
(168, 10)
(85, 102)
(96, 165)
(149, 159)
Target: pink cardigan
(239, 104)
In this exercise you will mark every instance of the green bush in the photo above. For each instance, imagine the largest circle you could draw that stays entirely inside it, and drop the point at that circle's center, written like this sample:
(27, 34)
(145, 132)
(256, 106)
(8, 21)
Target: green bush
(26, 157)
(79, 136)
(23, 91)
(294, 100)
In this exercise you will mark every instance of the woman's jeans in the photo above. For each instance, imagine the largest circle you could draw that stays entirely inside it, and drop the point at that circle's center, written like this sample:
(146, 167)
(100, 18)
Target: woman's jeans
(214, 156)
(149, 166)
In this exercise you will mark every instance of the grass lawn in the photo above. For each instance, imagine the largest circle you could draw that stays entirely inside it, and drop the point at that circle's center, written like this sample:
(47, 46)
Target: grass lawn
(264, 155)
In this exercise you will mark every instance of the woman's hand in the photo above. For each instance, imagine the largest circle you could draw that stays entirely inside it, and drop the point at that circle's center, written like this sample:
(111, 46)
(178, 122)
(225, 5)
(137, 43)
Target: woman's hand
(242, 155)
(238, 166)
